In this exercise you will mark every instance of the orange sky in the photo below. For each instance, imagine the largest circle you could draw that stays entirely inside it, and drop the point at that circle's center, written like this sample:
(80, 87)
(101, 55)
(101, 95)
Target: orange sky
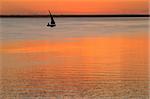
(74, 6)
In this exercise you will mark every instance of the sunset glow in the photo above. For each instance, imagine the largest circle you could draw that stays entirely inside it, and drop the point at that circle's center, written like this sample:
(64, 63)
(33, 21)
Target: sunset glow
(86, 51)
(13, 7)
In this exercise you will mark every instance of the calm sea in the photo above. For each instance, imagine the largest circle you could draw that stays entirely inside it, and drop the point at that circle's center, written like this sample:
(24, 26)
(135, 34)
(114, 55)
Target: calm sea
(80, 58)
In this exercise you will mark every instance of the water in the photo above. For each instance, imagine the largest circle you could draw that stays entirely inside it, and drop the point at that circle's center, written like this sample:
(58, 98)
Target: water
(80, 58)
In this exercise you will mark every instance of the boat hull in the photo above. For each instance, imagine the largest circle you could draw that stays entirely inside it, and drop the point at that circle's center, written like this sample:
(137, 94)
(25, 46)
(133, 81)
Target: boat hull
(52, 25)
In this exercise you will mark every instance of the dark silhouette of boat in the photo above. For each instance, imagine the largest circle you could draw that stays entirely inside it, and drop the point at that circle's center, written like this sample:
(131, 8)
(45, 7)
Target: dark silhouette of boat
(52, 24)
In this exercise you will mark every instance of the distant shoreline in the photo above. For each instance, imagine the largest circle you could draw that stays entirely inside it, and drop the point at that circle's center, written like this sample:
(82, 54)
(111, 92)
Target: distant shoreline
(42, 16)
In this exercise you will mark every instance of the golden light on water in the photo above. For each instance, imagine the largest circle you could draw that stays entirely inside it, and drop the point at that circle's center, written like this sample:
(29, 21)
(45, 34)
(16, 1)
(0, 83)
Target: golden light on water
(111, 52)
(84, 58)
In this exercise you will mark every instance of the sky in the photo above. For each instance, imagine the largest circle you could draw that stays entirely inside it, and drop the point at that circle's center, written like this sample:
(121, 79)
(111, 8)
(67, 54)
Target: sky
(35, 7)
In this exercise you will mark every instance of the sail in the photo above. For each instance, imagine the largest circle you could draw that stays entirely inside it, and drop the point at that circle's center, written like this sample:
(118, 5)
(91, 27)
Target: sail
(52, 19)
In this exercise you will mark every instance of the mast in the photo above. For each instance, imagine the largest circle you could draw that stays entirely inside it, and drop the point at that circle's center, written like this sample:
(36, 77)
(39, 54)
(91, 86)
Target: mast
(52, 19)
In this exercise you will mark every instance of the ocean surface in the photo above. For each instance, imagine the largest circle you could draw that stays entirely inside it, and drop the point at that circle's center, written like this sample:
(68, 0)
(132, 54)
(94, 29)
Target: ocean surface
(80, 58)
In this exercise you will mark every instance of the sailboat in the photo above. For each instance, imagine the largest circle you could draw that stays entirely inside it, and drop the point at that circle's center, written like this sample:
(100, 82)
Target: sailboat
(52, 24)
